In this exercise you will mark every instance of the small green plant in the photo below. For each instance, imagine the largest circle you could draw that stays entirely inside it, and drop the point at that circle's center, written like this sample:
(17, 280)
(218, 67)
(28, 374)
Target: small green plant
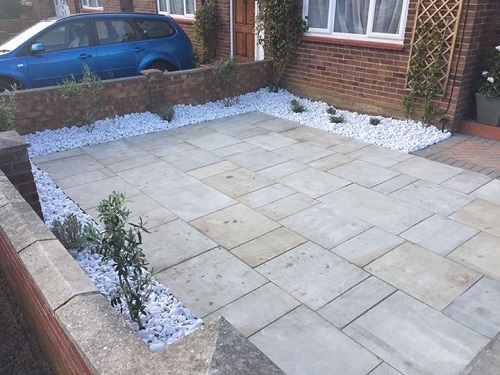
(331, 110)
(225, 80)
(82, 98)
(166, 112)
(374, 121)
(69, 232)
(120, 242)
(337, 119)
(489, 85)
(297, 107)
(205, 28)
(8, 110)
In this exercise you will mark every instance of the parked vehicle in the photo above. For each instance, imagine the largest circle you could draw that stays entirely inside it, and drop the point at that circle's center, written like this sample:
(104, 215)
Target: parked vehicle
(111, 45)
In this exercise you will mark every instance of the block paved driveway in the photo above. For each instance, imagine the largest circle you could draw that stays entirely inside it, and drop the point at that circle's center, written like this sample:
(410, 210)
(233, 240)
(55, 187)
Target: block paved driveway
(332, 255)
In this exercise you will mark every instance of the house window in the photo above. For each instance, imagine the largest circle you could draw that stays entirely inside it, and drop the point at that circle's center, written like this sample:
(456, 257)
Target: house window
(184, 8)
(357, 19)
(92, 3)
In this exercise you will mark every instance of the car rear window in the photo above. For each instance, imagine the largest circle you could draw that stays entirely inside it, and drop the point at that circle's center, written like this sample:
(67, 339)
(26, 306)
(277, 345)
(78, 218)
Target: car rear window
(153, 29)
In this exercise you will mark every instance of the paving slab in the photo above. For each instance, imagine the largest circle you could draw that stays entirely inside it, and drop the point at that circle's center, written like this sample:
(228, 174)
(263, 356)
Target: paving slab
(349, 146)
(268, 246)
(156, 140)
(237, 182)
(191, 131)
(385, 369)
(313, 182)
(356, 301)
(489, 192)
(234, 225)
(84, 178)
(330, 162)
(115, 151)
(257, 309)
(432, 197)
(287, 206)
(69, 166)
(149, 175)
(283, 169)
(171, 149)
(426, 169)
(257, 159)
(303, 152)
(271, 141)
(288, 343)
(414, 338)
(480, 253)
(210, 281)
(139, 161)
(378, 155)
(234, 149)
(481, 215)
(363, 173)
(367, 246)
(394, 184)
(479, 307)
(439, 234)
(266, 195)
(378, 209)
(312, 274)
(423, 274)
(213, 141)
(213, 169)
(191, 159)
(277, 124)
(466, 181)
(325, 225)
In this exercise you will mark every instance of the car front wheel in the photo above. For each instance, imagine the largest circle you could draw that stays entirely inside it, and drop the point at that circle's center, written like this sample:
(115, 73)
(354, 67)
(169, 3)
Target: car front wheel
(7, 85)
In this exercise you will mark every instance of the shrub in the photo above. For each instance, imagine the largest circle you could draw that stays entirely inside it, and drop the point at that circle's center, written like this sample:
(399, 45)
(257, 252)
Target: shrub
(205, 28)
(489, 85)
(225, 80)
(120, 242)
(69, 233)
(374, 121)
(297, 107)
(166, 112)
(8, 110)
(331, 110)
(337, 119)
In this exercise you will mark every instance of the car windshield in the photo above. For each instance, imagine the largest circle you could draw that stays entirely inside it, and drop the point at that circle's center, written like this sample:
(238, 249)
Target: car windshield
(25, 35)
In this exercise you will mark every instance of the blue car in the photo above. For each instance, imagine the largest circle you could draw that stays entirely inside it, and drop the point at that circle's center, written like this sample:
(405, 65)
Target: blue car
(112, 45)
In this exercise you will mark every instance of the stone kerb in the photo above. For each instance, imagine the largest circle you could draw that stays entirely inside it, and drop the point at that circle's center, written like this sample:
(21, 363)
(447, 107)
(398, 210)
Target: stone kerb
(77, 328)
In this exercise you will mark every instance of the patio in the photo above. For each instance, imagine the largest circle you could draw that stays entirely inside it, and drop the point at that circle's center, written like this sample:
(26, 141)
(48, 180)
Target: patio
(331, 255)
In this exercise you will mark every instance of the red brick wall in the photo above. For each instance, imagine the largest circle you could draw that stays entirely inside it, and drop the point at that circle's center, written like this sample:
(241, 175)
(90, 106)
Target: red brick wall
(59, 349)
(44, 108)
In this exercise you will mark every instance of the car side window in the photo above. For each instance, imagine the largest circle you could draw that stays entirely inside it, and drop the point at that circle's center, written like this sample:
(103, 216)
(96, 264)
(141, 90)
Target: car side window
(67, 36)
(153, 29)
(115, 31)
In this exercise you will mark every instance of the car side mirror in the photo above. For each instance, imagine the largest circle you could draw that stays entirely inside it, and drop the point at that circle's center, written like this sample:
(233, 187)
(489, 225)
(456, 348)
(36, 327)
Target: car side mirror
(37, 47)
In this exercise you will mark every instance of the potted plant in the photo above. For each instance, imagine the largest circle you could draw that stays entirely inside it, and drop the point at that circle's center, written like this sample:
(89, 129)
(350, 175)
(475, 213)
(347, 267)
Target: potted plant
(488, 95)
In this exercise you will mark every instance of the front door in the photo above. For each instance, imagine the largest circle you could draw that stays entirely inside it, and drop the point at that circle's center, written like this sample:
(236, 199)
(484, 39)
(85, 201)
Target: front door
(244, 30)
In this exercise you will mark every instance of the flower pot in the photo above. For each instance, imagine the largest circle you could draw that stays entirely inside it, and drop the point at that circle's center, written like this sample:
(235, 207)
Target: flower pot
(488, 110)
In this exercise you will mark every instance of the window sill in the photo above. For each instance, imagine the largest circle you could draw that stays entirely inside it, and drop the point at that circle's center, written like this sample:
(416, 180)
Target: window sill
(183, 20)
(92, 10)
(353, 43)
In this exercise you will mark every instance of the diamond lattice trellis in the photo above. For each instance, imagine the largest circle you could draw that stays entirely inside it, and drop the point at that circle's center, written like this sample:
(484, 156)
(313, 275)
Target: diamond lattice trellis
(443, 15)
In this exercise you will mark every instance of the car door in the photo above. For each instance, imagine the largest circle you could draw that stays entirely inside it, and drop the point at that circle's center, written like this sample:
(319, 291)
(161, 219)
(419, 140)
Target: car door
(120, 49)
(66, 49)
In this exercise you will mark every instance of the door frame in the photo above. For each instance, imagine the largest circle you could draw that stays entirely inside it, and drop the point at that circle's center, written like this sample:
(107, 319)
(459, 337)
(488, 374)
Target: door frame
(259, 50)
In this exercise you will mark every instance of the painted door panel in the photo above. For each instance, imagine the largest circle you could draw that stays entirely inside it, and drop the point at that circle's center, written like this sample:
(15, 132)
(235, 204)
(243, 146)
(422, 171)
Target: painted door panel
(244, 28)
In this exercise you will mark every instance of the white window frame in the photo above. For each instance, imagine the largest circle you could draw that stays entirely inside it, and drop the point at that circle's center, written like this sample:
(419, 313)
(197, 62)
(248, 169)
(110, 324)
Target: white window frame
(369, 36)
(167, 6)
(86, 4)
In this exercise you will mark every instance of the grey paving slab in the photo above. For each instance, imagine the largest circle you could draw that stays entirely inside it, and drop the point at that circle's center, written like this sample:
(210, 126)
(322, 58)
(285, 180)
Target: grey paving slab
(84, 178)
(325, 225)
(189, 198)
(288, 343)
(70, 166)
(157, 140)
(363, 173)
(466, 181)
(378, 209)
(313, 182)
(268, 246)
(367, 246)
(414, 338)
(90, 195)
(153, 218)
(423, 274)
(283, 169)
(213, 141)
(237, 182)
(191, 159)
(213, 169)
(139, 161)
(251, 132)
(426, 169)
(234, 149)
(57, 155)
(281, 208)
(312, 274)
(171, 149)
(277, 124)
(384, 369)
(489, 192)
(432, 197)
(394, 184)
(479, 307)
(302, 133)
(381, 156)
(172, 243)
(303, 152)
(356, 301)
(482, 215)
(191, 131)
(349, 146)
(150, 175)
(326, 139)
(234, 225)
(439, 234)
(257, 159)
(271, 141)
(330, 162)
(257, 309)
(210, 281)
(114, 151)
(266, 195)
(480, 253)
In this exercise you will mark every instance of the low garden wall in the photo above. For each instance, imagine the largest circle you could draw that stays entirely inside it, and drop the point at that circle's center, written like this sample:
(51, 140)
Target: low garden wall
(43, 108)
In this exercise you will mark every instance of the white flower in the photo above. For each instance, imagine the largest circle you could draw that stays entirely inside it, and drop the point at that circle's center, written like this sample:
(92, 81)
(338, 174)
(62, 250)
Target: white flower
(497, 48)
(490, 79)
(485, 73)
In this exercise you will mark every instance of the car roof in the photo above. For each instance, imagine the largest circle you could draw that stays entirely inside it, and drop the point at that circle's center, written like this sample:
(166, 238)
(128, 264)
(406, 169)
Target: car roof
(106, 14)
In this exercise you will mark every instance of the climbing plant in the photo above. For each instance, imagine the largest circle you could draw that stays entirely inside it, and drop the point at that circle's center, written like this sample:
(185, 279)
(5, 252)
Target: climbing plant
(279, 27)
(205, 28)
